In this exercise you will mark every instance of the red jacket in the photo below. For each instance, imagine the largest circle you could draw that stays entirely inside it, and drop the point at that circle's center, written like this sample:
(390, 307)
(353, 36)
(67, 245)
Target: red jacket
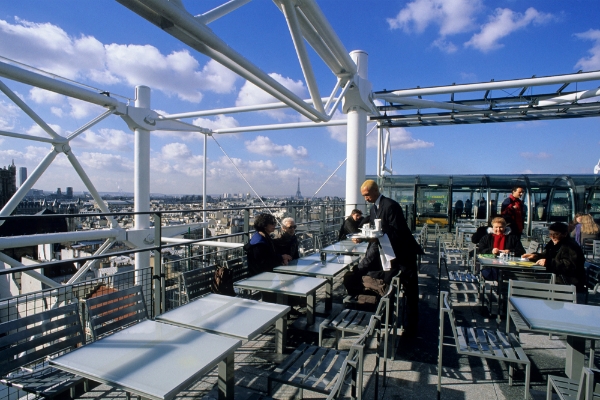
(514, 214)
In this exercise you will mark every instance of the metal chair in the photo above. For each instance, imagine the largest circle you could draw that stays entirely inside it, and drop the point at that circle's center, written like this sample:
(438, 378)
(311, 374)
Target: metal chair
(483, 343)
(567, 389)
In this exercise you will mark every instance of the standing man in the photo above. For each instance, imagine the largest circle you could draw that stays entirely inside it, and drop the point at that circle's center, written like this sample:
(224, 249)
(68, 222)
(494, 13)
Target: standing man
(513, 211)
(404, 245)
(287, 241)
(351, 224)
(458, 209)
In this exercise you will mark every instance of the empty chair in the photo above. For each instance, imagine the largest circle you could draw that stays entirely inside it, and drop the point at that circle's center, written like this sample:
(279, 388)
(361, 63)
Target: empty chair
(483, 343)
(324, 370)
(114, 311)
(596, 249)
(197, 282)
(586, 389)
(592, 272)
(27, 343)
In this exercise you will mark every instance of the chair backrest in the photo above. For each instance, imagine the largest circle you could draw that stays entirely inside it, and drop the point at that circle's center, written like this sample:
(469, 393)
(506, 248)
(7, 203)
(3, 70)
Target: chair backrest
(528, 276)
(590, 378)
(592, 272)
(446, 308)
(533, 247)
(196, 283)
(34, 338)
(596, 248)
(239, 266)
(544, 291)
(114, 311)
(384, 301)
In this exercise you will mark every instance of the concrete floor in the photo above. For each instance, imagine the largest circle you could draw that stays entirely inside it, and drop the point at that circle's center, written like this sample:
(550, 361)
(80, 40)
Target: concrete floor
(413, 372)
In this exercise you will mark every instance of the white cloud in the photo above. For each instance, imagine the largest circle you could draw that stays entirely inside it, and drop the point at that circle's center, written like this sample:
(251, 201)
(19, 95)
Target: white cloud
(503, 23)
(36, 130)
(400, 139)
(105, 139)
(452, 16)
(593, 61)
(9, 114)
(42, 96)
(81, 109)
(535, 156)
(49, 47)
(219, 122)
(251, 94)
(177, 157)
(175, 151)
(106, 162)
(445, 46)
(263, 145)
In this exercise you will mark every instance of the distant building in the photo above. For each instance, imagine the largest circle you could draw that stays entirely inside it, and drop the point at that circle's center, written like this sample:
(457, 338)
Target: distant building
(22, 175)
(8, 183)
(58, 192)
(69, 192)
(298, 193)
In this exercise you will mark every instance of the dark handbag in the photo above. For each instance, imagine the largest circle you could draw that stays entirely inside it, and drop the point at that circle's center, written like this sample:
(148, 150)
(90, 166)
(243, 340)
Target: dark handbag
(223, 282)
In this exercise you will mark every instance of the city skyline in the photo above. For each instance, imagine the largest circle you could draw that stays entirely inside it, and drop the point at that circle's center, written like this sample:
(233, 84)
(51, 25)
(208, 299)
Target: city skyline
(410, 43)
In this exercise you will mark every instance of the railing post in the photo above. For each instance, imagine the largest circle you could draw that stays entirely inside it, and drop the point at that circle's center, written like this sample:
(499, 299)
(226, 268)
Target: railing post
(158, 270)
(246, 225)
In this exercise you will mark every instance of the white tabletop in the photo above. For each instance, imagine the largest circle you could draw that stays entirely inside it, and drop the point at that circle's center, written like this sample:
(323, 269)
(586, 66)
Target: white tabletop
(312, 268)
(559, 317)
(514, 264)
(232, 316)
(346, 247)
(281, 283)
(336, 258)
(151, 359)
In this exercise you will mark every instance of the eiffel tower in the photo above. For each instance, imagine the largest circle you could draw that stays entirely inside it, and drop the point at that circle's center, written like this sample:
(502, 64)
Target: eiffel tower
(298, 194)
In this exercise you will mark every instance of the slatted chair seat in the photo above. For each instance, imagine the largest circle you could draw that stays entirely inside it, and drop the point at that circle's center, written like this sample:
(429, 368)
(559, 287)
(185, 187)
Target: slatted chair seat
(196, 283)
(568, 389)
(324, 370)
(483, 343)
(111, 312)
(535, 290)
(592, 272)
(27, 343)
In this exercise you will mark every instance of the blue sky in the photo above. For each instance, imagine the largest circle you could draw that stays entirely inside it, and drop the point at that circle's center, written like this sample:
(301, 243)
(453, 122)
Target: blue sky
(410, 43)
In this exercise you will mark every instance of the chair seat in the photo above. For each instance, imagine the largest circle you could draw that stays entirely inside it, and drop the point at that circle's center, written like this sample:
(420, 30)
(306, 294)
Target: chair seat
(310, 367)
(489, 344)
(566, 388)
(459, 276)
(45, 381)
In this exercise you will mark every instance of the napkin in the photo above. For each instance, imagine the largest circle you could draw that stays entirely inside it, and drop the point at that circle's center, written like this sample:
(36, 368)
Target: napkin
(387, 253)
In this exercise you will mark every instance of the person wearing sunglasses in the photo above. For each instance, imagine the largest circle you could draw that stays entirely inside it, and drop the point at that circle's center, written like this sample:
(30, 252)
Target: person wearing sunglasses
(286, 241)
(563, 257)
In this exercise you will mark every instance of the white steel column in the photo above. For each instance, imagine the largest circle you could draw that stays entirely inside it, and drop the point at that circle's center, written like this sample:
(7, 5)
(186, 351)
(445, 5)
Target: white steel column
(142, 175)
(356, 138)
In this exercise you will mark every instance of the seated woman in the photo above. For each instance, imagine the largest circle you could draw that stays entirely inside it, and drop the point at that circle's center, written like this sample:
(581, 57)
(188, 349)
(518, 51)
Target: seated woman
(262, 256)
(585, 230)
(497, 242)
(563, 257)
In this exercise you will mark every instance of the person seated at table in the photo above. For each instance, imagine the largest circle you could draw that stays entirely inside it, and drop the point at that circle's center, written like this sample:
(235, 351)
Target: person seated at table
(563, 257)
(499, 241)
(483, 230)
(585, 230)
(351, 224)
(261, 253)
(286, 242)
(576, 221)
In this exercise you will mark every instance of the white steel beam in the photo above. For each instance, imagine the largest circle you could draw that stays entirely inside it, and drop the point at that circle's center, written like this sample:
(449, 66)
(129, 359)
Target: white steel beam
(90, 263)
(27, 137)
(9, 242)
(273, 127)
(34, 274)
(515, 83)
(209, 243)
(428, 103)
(220, 11)
(586, 94)
(290, 15)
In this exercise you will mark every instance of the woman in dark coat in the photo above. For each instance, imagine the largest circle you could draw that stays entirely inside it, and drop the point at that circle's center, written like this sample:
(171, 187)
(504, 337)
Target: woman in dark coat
(563, 257)
(262, 256)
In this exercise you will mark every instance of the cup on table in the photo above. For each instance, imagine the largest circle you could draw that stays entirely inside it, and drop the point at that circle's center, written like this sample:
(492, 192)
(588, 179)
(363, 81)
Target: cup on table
(512, 255)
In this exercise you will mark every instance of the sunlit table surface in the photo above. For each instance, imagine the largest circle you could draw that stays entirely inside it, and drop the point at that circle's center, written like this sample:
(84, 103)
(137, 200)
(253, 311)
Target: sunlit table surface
(286, 285)
(154, 360)
(574, 320)
(346, 247)
(232, 316)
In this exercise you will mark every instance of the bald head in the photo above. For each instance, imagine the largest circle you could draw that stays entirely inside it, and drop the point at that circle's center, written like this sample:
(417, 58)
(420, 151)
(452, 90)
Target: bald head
(370, 190)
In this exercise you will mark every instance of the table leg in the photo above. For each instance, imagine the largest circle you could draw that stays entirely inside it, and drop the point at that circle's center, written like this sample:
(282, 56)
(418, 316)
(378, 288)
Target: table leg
(329, 294)
(310, 309)
(226, 382)
(575, 357)
(280, 334)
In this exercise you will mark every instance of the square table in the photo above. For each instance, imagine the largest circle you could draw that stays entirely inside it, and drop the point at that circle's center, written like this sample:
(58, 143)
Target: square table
(577, 321)
(231, 316)
(320, 269)
(286, 285)
(154, 360)
(346, 247)
(504, 264)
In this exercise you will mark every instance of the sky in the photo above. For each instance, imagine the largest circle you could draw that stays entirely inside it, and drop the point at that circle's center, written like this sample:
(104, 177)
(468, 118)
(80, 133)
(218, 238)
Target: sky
(423, 43)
